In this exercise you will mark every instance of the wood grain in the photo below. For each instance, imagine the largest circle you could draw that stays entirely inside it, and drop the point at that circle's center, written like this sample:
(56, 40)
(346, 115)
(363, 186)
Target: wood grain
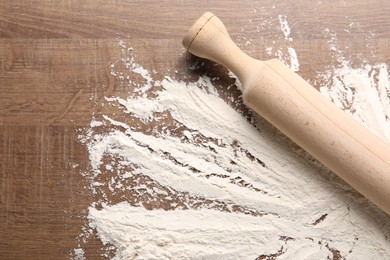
(54, 71)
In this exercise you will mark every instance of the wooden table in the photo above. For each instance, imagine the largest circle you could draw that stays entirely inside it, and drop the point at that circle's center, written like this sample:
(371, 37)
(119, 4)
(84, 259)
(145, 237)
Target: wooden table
(55, 57)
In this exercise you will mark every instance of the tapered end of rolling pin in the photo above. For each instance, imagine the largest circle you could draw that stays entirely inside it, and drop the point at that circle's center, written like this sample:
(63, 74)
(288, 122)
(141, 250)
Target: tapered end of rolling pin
(209, 39)
(206, 37)
(196, 29)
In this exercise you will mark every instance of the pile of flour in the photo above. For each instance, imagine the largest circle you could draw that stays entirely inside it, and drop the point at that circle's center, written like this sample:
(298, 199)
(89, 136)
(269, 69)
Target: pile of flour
(177, 173)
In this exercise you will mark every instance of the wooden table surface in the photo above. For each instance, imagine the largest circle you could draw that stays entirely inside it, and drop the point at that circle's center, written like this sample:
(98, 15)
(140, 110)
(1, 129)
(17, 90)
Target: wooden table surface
(54, 71)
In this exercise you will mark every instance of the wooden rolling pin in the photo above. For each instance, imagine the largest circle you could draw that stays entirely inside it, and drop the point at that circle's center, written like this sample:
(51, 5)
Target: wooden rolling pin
(300, 111)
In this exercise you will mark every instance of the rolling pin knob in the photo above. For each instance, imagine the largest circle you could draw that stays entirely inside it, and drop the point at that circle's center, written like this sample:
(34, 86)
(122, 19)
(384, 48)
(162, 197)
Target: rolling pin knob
(209, 39)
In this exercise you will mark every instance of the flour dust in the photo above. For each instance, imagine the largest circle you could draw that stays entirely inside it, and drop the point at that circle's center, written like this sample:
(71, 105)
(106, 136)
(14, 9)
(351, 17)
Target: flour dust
(287, 53)
(362, 91)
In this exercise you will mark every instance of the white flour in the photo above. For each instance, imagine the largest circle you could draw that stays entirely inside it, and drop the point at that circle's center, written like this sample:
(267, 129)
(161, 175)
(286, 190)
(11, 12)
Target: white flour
(290, 58)
(268, 24)
(181, 174)
(78, 254)
(363, 92)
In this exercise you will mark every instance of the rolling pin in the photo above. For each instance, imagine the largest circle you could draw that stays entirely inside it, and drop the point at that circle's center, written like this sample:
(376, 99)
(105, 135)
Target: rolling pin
(301, 112)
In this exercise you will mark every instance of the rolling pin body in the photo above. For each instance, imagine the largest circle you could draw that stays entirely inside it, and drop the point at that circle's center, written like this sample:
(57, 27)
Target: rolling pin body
(302, 113)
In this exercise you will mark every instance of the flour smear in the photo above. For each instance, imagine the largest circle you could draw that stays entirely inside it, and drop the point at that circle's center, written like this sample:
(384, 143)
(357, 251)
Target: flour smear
(363, 92)
(281, 28)
(177, 173)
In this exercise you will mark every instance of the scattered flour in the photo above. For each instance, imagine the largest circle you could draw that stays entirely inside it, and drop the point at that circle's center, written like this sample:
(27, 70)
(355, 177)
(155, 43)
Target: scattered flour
(181, 174)
(268, 24)
(161, 234)
(78, 254)
(363, 92)
(294, 64)
(290, 58)
(285, 27)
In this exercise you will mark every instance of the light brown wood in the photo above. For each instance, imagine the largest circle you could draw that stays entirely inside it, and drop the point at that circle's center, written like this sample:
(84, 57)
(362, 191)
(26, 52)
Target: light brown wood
(54, 74)
(312, 121)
